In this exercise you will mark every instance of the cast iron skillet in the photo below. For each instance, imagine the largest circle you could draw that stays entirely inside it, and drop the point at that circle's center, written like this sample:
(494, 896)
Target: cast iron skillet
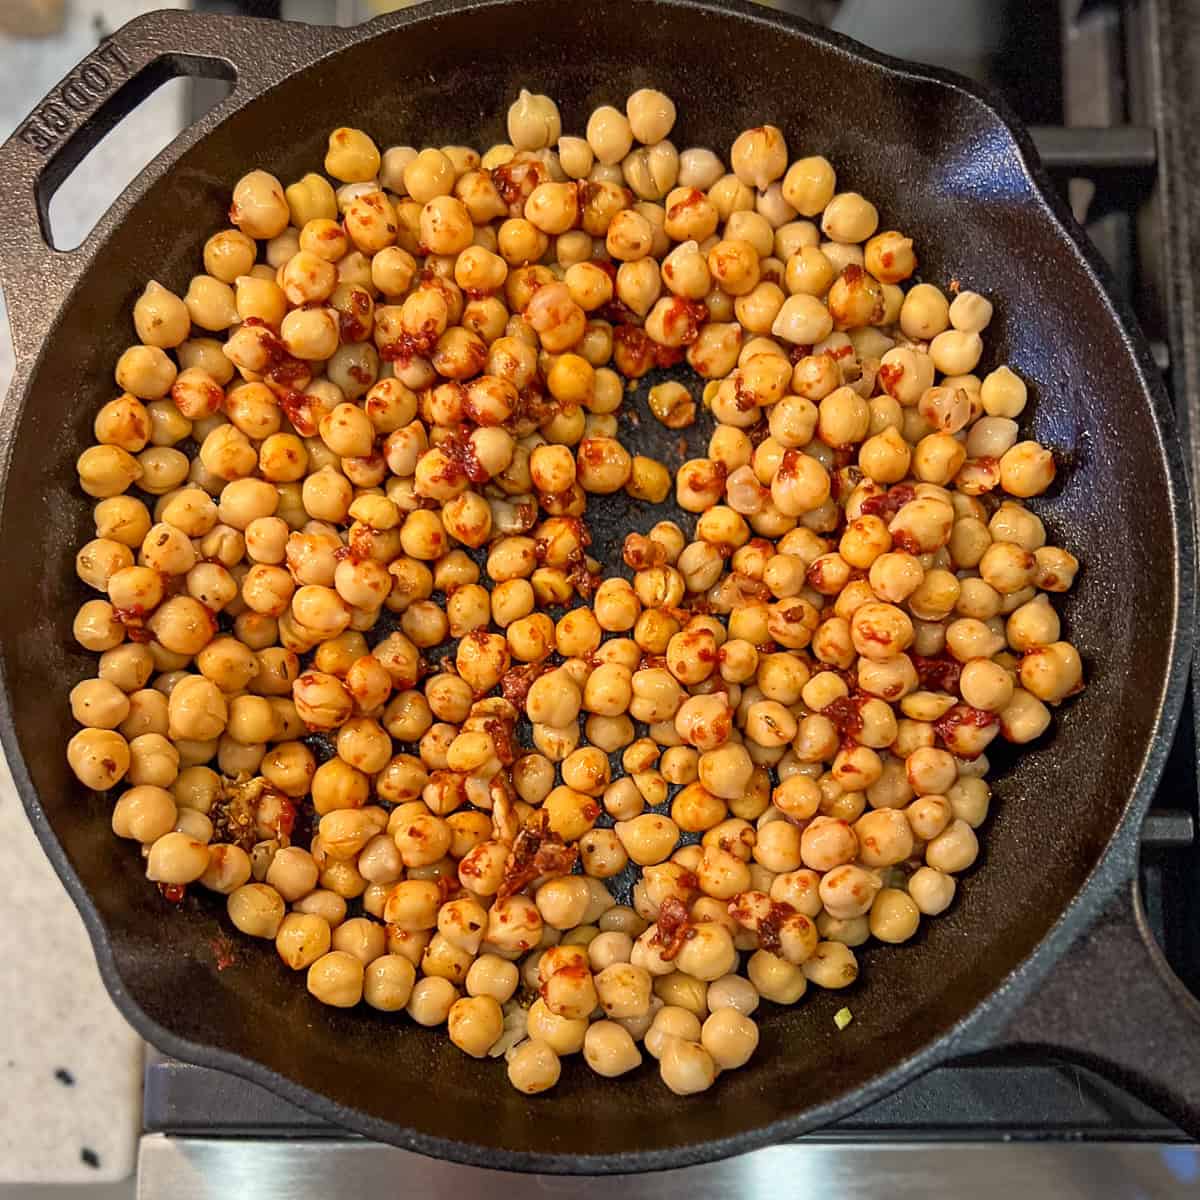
(946, 164)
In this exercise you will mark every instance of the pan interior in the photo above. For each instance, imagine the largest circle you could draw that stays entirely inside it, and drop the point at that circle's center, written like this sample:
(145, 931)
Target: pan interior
(942, 169)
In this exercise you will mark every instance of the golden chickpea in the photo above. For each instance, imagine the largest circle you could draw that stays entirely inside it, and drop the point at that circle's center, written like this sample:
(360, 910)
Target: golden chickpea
(431, 1000)
(609, 134)
(514, 925)
(126, 520)
(227, 255)
(775, 978)
(106, 471)
(259, 208)
(610, 1049)
(144, 813)
(474, 1024)
(256, 909)
(336, 979)
(648, 838)
(1027, 469)
(533, 1067)
(1052, 672)
(576, 158)
(533, 122)
(351, 157)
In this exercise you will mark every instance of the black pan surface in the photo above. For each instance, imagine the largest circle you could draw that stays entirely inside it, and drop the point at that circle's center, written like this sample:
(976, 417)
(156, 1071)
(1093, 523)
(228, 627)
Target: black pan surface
(944, 166)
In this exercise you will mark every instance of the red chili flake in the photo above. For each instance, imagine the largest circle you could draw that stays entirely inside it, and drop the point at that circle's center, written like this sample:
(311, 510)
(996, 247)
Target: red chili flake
(769, 926)
(286, 374)
(174, 892)
(939, 673)
(533, 405)
(276, 350)
(959, 717)
(223, 952)
(640, 552)
(846, 714)
(887, 504)
(516, 682)
(515, 182)
(583, 537)
(408, 346)
(964, 714)
(461, 452)
(537, 850)
(355, 320)
(674, 928)
(743, 399)
(684, 318)
(287, 819)
(751, 589)
(303, 411)
(580, 575)
(501, 733)
(636, 352)
(616, 312)
(890, 375)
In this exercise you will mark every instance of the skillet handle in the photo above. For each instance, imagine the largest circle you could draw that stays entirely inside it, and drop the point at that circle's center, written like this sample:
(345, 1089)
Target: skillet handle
(1114, 1005)
(93, 98)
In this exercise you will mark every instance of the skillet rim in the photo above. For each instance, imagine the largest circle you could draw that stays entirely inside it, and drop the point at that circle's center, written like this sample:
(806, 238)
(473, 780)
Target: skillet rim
(982, 1025)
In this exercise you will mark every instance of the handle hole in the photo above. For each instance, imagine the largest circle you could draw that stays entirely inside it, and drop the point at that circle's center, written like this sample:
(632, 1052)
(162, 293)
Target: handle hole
(93, 168)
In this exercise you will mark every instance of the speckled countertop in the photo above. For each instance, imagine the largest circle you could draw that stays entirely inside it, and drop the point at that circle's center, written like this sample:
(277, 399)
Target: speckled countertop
(70, 1067)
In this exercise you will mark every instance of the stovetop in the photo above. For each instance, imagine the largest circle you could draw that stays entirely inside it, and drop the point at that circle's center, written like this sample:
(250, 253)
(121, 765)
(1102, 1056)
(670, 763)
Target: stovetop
(1109, 87)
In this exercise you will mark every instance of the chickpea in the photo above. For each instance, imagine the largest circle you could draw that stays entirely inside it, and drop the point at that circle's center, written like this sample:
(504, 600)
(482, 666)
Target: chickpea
(1052, 672)
(648, 838)
(533, 122)
(775, 978)
(1003, 393)
(106, 471)
(953, 850)
(932, 891)
(259, 208)
(832, 965)
(144, 813)
(431, 1001)
(337, 979)
(730, 1037)
(533, 1067)
(474, 1024)
(1027, 469)
(576, 158)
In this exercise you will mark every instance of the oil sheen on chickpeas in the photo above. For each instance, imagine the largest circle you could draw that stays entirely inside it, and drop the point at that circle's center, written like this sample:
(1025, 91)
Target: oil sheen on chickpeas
(359, 676)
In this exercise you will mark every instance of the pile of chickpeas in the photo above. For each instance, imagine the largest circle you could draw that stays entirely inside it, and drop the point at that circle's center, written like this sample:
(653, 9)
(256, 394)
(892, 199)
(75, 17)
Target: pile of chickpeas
(359, 674)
